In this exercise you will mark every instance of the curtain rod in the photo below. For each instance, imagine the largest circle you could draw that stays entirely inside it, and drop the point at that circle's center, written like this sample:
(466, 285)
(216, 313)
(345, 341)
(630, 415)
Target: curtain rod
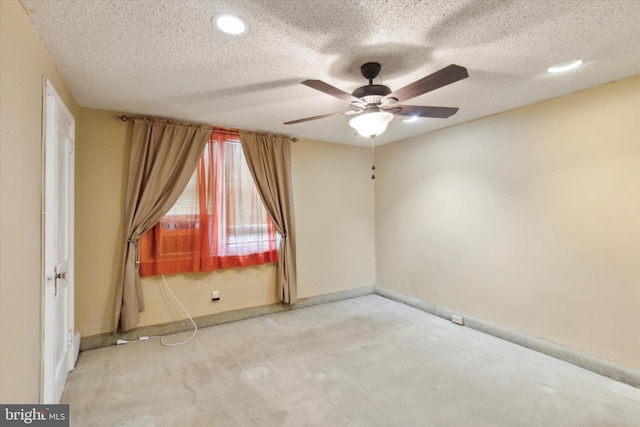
(127, 118)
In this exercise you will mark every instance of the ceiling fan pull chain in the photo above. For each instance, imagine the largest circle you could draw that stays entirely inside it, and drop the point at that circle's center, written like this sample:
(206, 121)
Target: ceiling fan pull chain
(373, 166)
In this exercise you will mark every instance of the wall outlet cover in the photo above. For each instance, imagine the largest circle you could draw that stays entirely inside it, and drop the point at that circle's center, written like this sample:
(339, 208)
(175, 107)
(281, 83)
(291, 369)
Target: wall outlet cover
(457, 319)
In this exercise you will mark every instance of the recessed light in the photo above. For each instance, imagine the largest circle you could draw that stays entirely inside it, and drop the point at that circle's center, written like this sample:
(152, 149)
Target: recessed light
(230, 24)
(561, 67)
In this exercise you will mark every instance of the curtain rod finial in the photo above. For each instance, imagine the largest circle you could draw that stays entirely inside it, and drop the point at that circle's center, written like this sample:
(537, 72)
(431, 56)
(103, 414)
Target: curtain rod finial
(123, 118)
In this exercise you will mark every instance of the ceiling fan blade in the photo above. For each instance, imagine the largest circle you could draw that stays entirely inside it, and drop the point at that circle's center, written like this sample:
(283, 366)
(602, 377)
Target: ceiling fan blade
(419, 111)
(330, 90)
(434, 81)
(344, 113)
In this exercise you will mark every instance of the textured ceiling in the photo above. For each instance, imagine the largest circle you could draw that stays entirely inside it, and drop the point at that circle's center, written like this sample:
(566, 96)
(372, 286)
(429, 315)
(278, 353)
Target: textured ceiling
(164, 58)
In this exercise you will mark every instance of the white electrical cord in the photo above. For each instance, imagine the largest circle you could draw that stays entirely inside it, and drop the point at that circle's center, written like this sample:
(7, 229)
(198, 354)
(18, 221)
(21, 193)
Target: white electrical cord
(195, 327)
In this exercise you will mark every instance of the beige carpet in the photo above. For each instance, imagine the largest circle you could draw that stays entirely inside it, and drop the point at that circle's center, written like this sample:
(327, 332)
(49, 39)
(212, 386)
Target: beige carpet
(366, 361)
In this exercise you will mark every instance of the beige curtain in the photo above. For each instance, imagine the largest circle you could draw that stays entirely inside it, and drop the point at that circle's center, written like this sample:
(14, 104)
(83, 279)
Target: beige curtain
(164, 154)
(269, 160)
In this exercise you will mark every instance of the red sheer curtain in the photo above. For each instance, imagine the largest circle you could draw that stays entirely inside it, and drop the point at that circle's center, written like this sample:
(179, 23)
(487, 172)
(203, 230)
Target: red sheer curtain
(218, 222)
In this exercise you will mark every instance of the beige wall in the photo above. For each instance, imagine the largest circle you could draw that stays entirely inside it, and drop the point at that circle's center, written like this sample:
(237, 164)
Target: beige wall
(529, 219)
(101, 159)
(23, 62)
(334, 217)
(334, 220)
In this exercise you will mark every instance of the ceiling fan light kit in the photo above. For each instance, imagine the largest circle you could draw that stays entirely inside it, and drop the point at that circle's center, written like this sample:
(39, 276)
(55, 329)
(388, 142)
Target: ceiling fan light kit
(371, 124)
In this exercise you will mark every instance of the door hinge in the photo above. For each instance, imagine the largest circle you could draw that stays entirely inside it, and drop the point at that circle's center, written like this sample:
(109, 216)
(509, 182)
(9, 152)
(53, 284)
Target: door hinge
(72, 339)
(72, 147)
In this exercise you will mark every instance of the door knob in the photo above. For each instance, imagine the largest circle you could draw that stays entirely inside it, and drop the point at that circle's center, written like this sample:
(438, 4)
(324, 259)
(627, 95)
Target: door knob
(62, 275)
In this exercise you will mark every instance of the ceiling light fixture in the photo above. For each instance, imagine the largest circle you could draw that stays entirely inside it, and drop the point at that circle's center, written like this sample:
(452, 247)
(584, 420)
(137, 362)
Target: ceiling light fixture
(411, 119)
(371, 124)
(561, 67)
(230, 24)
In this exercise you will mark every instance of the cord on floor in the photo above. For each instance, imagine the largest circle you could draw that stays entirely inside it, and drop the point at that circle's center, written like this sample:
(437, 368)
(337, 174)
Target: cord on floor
(195, 327)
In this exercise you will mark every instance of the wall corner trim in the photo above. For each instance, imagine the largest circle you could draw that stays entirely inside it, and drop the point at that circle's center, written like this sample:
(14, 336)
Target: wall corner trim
(583, 360)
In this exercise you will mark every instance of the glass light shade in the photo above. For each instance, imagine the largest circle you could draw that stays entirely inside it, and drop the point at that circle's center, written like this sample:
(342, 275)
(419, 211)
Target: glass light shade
(371, 124)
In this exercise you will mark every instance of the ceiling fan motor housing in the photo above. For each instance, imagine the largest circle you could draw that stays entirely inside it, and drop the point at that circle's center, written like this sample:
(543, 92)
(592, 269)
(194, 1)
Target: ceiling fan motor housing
(374, 93)
(371, 90)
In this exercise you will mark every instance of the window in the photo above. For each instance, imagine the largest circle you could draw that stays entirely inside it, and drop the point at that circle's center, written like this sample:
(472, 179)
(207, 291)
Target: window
(219, 221)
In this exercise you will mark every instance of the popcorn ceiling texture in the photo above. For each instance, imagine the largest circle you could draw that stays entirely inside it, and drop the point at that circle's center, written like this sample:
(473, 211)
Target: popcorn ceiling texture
(163, 57)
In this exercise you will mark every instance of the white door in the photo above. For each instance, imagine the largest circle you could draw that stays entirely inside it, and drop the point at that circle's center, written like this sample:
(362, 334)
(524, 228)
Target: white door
(58, 185)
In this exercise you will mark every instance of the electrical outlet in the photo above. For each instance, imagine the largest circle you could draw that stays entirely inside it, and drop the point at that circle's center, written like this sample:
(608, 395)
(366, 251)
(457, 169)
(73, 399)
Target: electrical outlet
(215, 296)
(457, 319)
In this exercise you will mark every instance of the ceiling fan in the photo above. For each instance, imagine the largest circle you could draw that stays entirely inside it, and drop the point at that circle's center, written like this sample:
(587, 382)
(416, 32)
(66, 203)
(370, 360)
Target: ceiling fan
(377, 104)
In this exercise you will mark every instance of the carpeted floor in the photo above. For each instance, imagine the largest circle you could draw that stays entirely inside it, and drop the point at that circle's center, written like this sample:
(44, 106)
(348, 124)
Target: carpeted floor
(366, 361)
